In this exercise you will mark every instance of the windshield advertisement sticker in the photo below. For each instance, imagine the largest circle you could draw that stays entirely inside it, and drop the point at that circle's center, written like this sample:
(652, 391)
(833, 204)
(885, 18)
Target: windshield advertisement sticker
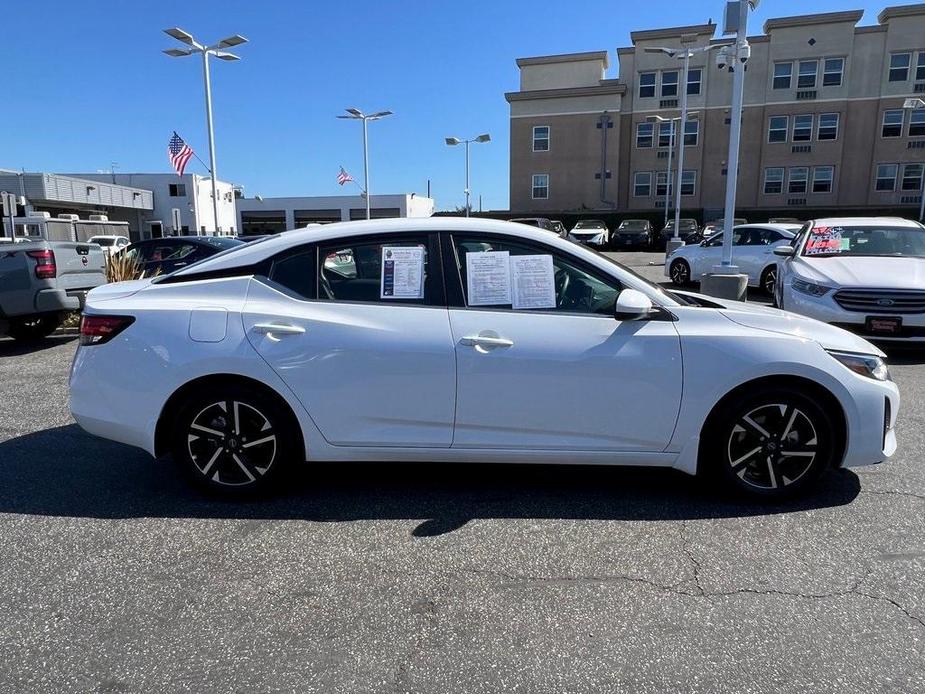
(824, 241)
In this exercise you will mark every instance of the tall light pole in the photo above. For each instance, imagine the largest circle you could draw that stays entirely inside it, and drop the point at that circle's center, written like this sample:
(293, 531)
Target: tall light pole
(659, 120)
(915, 105)
(685, 55)
(357, 114)
(675, 125)
(216, 49)
(452, 141)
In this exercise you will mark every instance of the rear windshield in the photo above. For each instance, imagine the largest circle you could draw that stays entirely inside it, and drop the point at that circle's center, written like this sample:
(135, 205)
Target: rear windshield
(875, 240)
(102, 241)
(222, 242)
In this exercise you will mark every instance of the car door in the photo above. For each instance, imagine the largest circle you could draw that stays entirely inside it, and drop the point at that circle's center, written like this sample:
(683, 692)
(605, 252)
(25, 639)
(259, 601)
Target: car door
(705, 255)
(371, 368)
(756, 251)
(565, 377)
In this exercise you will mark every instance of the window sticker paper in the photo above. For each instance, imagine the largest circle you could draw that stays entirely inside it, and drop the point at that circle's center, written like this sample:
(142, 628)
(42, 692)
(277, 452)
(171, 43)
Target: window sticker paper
(533, 283)
(402, 273)
(488, 278)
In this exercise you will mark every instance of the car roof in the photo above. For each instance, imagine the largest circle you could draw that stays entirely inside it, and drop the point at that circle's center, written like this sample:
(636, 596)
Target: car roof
(248, 254)
(865, 221)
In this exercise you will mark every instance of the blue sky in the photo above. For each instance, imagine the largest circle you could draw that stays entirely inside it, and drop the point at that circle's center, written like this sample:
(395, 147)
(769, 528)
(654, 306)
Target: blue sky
(86, 84)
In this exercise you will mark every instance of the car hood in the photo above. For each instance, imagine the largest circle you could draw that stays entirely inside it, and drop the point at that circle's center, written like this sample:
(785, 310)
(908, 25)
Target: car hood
(777, 321)
(882, 272)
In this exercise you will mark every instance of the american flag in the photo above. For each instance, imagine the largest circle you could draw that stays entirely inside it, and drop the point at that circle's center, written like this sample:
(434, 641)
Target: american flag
(343, 177)
(179, 153)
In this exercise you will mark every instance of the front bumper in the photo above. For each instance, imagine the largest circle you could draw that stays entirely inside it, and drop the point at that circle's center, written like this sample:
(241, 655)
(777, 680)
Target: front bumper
(588, 240)
(825, 309)
(630, 239)
(872, 425)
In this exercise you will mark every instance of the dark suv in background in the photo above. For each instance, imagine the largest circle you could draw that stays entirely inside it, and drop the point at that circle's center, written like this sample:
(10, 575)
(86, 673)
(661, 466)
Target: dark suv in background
(633, 233)
(688, 230)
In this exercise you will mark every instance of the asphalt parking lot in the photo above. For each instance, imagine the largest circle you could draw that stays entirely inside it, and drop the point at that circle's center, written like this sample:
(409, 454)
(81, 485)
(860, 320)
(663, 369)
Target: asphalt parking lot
(466, 578)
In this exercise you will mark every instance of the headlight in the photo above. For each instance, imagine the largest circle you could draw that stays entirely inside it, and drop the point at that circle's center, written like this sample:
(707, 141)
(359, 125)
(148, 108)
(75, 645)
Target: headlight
(865, 364)
(805, 287)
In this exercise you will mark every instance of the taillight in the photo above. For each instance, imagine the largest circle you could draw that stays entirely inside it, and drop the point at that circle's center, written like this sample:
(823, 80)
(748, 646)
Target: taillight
(45, 268)
(95, 330)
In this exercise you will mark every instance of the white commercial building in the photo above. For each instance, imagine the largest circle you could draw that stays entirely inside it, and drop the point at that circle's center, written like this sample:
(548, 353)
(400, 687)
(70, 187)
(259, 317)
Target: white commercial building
(182, 204)
(271, 215)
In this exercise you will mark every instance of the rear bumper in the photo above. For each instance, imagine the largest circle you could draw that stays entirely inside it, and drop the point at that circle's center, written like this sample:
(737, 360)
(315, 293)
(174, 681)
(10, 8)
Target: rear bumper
(48, 300)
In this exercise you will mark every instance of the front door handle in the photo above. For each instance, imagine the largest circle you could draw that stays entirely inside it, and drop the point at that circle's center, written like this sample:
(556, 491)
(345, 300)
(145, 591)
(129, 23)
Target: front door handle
(278, 329)
(486, 341)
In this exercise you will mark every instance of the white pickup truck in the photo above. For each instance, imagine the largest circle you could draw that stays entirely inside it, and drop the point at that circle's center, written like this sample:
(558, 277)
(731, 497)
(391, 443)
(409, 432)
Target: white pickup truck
(41, 280)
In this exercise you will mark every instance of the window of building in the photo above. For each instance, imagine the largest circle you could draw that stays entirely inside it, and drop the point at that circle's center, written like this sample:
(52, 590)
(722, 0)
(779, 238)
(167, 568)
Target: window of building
(828, 127)
(541, 138)
(807, 76)
(797, 178)
(917, 123)
(912, 177)
(774, 180)
(777, 128)
(920, 67)
(694, 80)
(688, 182)
(663, 180)
(644, 135)
(832, 70)
(899, 67)
(176, 190)
(822, 179)
(642, 184)
(886, 177)
(803, 128)
(646, 84)
(783, 74)
(892, 123)
(540, 186)
(665, 134)
(691, 133)
(669, 83)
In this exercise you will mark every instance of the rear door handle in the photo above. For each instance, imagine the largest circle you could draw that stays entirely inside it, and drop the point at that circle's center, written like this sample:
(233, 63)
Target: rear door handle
(486, 341)
(278, 329)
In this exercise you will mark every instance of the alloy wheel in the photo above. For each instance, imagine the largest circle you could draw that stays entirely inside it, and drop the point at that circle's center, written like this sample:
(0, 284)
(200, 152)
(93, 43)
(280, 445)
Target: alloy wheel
(232, 443)
(772, 446)
(770, 280)
(680, 273)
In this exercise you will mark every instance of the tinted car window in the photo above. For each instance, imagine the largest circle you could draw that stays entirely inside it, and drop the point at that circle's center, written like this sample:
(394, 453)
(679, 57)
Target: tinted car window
(297, 273)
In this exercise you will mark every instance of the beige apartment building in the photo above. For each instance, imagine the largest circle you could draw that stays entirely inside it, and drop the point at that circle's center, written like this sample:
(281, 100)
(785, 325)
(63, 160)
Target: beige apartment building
(823, 130)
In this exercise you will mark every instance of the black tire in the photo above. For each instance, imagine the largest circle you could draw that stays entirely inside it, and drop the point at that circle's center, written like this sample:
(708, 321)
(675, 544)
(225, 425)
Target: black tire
(769, 280)
(235, 441)
(771, 444)
(680, 272)
(34, 328)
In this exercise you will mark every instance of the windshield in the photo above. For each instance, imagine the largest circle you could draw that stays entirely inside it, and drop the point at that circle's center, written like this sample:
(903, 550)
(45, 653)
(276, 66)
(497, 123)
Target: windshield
(876, 240)
(633, 225)
(590, 225)
(685, 224)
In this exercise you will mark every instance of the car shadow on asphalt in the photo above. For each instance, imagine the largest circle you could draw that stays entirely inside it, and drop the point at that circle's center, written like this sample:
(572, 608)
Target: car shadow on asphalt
(65, 472)
(15, 348)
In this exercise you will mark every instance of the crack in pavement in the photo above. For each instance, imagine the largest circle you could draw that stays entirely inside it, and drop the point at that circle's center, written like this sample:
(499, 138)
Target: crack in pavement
(686, 548)
(893, 492)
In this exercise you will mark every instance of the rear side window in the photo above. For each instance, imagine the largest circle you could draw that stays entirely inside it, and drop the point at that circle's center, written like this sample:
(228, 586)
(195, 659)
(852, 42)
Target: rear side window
(297, 274)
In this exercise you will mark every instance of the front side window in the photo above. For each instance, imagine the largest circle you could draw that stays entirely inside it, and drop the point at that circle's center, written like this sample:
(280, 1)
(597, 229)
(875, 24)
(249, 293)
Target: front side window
(807, 76)
(574, 289)
(892, 123)
(541, 138)
(691, 133)
(663, 182)
(798, 176)
(688, 182)
(666, 134)
(917, 123)
(803, 128)
(822, 179)
(382, 271)
(912, 177)
(886, 177)
(777, 128)
(540, 186)
(669, 83)
(828, 127)
(774, 180)
(783, 74)
(642, 184)
(694, 80)
(832, 71)
(646, 84)
(899, 67)
(644, 135)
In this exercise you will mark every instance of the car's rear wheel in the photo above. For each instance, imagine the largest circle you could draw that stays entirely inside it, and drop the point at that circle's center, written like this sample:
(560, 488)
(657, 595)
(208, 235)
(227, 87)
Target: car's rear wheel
(680, 272)
(773, 444)
(769, 279)
(33, 328)
(234, 440)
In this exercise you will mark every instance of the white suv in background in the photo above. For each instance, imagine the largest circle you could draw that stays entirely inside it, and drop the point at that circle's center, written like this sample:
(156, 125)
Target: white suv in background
(865, 274)
(593, 232)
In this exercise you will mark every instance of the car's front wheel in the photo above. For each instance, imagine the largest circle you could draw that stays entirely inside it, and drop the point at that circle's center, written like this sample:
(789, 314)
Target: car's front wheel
(769, 279)
(680, 272)
(773, 443)
(234, 440)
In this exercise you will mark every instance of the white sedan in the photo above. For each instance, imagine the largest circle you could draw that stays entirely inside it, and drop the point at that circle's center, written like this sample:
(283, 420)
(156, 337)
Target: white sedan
(865, 274)
(451, 339)
(753, 246)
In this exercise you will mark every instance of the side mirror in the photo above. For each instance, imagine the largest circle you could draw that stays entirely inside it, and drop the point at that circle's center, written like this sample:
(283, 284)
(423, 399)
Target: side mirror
(784, 250)
(632, 305)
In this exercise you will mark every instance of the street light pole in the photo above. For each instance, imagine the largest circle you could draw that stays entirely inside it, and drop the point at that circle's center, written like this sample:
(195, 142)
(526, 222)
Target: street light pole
(357, 114)
(668, 173)
(218, 51)
(452, 141)
(468, 206)
(682, 127)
